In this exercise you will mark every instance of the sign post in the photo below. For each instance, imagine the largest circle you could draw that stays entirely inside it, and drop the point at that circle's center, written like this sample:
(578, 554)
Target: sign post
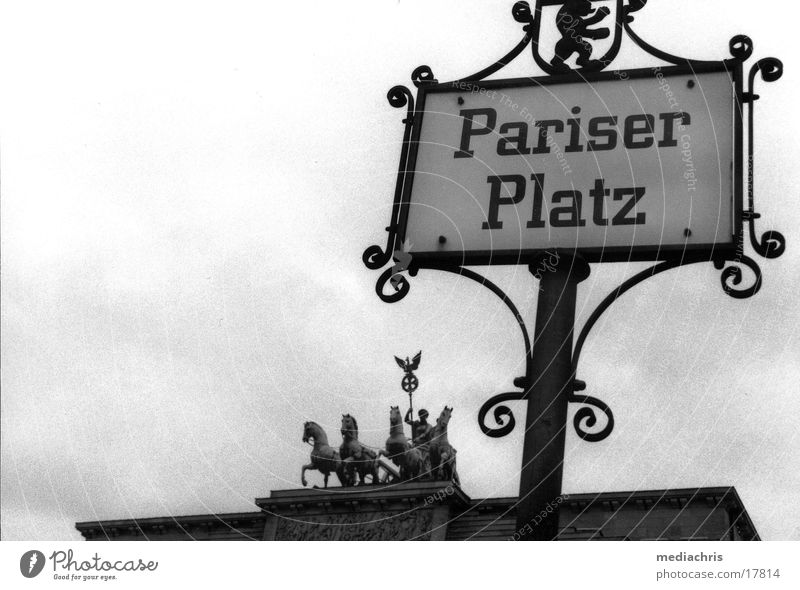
(579, 166)
(548, 399)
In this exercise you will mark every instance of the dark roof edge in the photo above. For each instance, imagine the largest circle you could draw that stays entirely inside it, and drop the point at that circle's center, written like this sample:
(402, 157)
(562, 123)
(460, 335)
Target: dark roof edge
(687, 493)
(225, 518)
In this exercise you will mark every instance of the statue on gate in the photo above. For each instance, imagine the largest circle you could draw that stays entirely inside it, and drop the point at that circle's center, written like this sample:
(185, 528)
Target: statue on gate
(357, 459)
(399, 450)
(442, 453)
(420, 437)
(324, 458)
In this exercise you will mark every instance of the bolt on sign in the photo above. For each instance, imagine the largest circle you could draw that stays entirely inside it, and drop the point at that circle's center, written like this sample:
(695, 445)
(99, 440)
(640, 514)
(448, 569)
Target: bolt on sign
(621, 165)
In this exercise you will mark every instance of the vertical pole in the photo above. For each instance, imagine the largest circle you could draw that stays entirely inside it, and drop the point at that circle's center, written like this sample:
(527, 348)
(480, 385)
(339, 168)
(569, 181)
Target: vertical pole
(551, 383)
(411, 411)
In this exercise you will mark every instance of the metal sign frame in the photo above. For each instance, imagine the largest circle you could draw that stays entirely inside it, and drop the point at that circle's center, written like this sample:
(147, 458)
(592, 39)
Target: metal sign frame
(603, 254)
(731, 260)
(550, 382)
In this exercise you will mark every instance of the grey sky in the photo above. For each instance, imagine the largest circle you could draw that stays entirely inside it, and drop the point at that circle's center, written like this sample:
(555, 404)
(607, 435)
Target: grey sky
(186, 195)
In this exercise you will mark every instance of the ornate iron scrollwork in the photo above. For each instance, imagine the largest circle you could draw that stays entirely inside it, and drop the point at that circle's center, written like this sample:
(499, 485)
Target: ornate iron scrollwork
(374, 257)
(740, 48)
(522, 14)
(502, 414)
(423, 75)
(731, 277)
(399, 284)
(771, 244)
(586, 417)
(465, 272)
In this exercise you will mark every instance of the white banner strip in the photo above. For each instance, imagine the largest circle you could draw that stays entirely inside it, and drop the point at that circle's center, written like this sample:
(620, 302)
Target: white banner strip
(393, 565)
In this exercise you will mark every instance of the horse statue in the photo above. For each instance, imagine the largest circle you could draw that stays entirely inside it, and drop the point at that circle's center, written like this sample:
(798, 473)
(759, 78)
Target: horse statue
(356, 458)
(324, 458)
(399, 449)
(443, 455)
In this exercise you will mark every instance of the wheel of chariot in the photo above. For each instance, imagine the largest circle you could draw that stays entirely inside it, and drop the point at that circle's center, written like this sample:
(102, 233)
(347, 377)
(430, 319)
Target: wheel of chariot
(410, 383)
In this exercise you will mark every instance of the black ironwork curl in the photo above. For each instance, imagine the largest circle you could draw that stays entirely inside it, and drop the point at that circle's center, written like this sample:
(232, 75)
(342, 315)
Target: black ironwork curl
(398, 282)
(740, 47)
(502, 414)
(423, 75)
(374, 257)
(771, 69)
(772, 243)
(399, 96)
(586, 418)
(521, 11)
(731, 277)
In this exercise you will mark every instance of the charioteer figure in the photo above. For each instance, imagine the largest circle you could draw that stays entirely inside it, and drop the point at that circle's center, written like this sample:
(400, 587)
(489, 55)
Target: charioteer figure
(420, 429)
(420, 436)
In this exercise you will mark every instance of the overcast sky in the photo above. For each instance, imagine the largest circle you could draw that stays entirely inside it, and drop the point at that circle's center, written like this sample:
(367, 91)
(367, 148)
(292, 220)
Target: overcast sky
(187, 190)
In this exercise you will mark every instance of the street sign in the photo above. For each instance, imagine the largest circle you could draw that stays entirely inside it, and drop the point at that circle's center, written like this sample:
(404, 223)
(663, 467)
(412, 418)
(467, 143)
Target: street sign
(576, 167)
(637, 164)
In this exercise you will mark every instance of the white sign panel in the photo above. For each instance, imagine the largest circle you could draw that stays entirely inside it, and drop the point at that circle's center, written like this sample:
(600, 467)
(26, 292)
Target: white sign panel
(631, 165)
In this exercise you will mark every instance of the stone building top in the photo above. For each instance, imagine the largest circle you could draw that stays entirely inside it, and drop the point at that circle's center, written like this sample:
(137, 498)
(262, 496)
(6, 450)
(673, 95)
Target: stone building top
(431, 510)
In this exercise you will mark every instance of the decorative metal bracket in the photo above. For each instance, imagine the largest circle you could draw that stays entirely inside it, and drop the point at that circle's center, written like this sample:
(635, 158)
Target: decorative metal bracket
(501, 411)
(586, 417)
(374, 257)
(771, 244)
